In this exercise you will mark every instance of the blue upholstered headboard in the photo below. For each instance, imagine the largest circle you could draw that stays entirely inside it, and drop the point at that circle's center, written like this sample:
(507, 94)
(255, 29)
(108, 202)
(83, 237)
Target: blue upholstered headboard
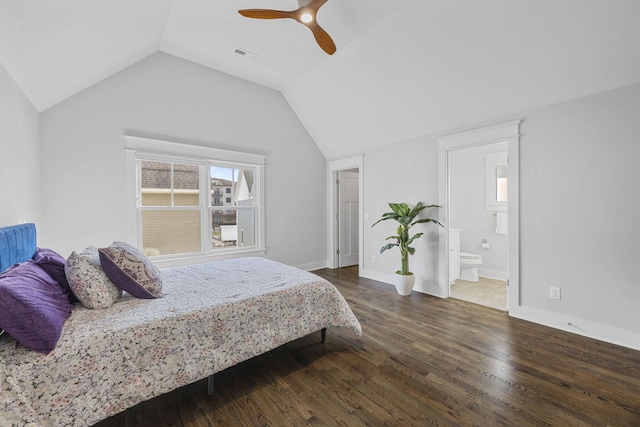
(17, 244)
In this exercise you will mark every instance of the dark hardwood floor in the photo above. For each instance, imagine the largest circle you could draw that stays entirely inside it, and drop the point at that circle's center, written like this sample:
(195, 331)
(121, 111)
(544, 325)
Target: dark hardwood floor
(421, 361)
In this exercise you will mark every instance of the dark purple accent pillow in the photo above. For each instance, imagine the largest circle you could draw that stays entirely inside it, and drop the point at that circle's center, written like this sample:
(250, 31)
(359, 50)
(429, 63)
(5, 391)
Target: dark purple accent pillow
(53, 264)
(130, 270)
(33, 307)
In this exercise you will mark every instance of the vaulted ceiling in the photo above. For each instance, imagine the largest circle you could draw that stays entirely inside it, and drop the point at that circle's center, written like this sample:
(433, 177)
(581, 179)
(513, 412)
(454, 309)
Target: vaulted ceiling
(403, 68)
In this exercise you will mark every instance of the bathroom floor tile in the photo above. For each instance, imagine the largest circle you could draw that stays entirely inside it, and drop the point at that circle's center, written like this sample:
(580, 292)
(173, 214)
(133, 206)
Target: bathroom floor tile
(487, 292)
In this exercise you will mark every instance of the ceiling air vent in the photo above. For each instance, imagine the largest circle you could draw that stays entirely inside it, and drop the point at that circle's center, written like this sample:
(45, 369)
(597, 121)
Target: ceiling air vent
(245, 53)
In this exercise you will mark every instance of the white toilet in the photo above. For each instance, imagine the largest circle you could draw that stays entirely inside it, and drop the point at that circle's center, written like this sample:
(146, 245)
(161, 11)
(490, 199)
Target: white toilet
(469, 263)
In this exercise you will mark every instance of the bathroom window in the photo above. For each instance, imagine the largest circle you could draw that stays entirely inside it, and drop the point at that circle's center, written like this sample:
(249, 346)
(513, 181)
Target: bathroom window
(496, 181)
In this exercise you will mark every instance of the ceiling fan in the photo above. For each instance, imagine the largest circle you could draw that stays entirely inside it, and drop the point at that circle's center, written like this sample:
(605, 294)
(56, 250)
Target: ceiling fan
(304, 14)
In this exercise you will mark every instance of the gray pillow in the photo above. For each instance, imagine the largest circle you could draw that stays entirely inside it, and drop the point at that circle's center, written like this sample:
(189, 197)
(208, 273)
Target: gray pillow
(88, 281)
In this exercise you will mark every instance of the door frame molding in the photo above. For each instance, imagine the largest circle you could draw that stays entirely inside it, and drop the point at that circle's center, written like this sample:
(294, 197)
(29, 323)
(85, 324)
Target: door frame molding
(503, 132)
(333, 167)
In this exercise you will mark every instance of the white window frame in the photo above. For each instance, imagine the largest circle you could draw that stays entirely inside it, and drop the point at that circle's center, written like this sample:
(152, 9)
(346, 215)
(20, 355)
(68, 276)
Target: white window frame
(137, 148)
(492, 161)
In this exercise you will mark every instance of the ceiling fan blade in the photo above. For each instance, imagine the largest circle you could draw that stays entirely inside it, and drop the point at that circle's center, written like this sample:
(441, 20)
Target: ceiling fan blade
(316, 4)
(265, 13)
(323, 38)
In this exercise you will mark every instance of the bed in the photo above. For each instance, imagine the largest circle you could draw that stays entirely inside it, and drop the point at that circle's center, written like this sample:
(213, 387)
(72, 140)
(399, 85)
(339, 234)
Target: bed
(212, 316)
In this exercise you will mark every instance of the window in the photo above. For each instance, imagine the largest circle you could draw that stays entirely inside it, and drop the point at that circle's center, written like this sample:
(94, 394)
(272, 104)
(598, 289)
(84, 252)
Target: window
(190, 201)
(235, 218)
(169, 207)
(496, 170)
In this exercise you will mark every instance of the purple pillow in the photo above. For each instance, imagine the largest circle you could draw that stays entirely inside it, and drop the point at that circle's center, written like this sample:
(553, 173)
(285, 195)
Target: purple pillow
(33, 307)
(53, 264)
(131, 270)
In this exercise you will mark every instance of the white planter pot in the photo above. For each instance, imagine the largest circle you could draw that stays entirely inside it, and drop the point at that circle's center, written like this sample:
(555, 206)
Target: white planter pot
(404, 283)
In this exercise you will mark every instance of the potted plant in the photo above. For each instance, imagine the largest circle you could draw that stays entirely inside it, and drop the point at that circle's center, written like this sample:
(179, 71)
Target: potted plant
(406, 218)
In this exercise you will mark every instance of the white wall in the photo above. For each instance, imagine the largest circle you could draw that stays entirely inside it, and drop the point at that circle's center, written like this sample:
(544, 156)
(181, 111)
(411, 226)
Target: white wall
(467, 198)
(167, 98)
(579, 208)
(579, 212)
(402, 172)
(19, 155)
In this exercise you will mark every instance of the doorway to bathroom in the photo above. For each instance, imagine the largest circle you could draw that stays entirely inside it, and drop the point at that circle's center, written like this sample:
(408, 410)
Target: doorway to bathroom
(478, 190)
(478, 232)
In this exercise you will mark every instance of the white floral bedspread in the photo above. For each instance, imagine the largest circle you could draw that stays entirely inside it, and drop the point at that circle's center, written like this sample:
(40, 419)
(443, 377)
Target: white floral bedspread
(212, 316)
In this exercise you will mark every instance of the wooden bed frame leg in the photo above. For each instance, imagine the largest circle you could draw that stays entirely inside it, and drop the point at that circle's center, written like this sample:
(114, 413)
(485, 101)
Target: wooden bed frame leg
(323, 334)
(210, 385)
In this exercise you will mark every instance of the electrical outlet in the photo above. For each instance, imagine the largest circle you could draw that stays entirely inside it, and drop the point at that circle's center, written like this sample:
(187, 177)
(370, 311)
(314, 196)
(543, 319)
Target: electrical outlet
(554, 292)
(373, 259)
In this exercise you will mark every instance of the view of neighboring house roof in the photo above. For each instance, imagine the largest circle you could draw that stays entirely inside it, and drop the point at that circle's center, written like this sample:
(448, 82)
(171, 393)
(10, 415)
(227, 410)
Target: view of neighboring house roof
(248, 178)
(185, 177)
(158, 175)
(220, 182)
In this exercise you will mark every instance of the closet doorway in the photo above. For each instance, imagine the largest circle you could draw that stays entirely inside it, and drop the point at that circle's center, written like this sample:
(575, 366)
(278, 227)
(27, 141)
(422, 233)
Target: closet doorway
(345, 212)
(348, 222)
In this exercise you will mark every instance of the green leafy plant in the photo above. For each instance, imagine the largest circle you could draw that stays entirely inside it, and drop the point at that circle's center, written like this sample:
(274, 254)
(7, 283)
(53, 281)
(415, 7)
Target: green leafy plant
(406, 217)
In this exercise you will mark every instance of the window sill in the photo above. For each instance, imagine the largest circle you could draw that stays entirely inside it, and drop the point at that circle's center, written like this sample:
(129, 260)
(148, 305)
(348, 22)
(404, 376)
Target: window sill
(199, 259)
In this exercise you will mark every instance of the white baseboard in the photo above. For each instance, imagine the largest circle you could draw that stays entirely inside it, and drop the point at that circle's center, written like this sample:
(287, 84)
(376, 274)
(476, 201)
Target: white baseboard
(578, 326)
(312, 265)
(375, 275)
(421, 286)
(493, 274)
